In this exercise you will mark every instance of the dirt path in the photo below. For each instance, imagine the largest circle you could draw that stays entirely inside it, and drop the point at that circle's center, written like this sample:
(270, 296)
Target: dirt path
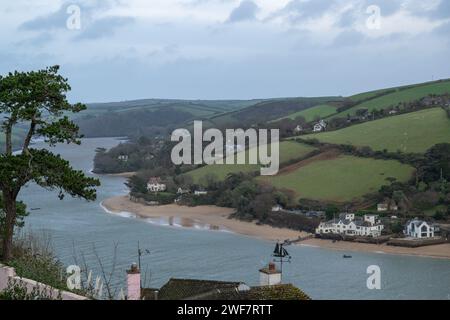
(326, 155)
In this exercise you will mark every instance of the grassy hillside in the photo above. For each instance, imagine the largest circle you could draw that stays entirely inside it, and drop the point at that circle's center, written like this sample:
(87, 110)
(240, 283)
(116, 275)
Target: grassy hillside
(265, 111)
(288, 150)
(341, 179)
(194, 107)
(412, 132)
(379, 92)
(310, 114)
(404, 95)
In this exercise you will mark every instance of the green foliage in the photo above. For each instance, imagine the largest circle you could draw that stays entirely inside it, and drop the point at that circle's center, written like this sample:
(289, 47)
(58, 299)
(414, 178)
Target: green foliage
(37, 100)
(34, 259)
(436, 165)
(17, 290)
(21, 214)
(331, 211)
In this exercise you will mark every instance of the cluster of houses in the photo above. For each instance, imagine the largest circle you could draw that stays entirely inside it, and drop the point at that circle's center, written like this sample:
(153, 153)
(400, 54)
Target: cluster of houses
(155, 184)
(370, 225)
(347, 224)
(318, 127)
(443, 100)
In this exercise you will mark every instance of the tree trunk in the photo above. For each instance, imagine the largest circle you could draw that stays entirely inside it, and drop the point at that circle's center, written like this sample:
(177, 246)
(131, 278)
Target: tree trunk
(11, 212)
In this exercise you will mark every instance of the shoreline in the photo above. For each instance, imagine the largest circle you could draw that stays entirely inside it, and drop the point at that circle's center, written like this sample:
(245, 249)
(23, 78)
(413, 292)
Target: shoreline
(200, 217)
(438, 251)
(216, 218)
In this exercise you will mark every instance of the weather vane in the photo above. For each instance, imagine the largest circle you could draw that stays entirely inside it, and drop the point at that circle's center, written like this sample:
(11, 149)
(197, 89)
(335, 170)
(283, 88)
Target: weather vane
(281, 255)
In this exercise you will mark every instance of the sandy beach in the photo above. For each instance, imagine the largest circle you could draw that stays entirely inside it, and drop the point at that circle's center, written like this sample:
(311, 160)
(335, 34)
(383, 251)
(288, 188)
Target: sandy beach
(210, 217)
(435, 251)
(122, 174)
(216, 218)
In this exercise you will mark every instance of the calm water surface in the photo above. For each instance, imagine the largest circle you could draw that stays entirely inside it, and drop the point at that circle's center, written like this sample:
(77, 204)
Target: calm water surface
(80, 228)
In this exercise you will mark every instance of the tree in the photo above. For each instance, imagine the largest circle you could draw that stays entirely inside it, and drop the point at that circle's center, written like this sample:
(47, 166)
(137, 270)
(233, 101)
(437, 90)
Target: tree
(331, 211)
(37, 101)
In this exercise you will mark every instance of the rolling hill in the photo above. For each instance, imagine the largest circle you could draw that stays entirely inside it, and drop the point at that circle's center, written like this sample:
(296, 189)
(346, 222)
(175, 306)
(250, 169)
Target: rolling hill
(410, 133)
(400, 95)
(289, 150)
(340, 178)
(320, 111)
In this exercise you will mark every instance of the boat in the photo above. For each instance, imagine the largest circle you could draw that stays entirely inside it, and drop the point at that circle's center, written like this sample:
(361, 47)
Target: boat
(346, 256)
(34, 209)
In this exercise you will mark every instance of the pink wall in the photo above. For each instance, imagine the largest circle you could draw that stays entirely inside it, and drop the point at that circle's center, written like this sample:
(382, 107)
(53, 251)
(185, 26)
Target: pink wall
(134, 286)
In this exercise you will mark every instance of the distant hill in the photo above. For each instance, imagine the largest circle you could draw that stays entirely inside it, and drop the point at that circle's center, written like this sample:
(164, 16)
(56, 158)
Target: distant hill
(150, 117)
(153, 117)
(266, 111)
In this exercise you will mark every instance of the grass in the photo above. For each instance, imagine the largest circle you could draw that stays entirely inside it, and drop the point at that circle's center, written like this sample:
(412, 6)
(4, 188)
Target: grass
(392, 99)
(321, 111)
(413, 132)
(341, 179)
(289, 150)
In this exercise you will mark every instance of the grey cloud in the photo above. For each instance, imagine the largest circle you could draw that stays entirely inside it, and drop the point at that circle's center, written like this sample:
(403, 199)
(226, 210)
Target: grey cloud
(443, 10)
(55, 20)
(309, 8)
(348, 38)
(103, 27)
(90, 28)
(245, 11)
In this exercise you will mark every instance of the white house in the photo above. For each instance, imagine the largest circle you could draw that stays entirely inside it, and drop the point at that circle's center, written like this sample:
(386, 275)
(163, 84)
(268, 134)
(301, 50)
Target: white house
(182, 191)
(388, 205)
(154, 185)
(419, 229)
(123, 157)
(200, 193)
(320, 126)
(370, 226)
(298, 129)
(277, 208)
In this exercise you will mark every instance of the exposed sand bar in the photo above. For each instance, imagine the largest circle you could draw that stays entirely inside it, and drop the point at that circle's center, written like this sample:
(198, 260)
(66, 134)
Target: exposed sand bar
(216, 218)
(122, 174)
(211, 217)
(435, 251)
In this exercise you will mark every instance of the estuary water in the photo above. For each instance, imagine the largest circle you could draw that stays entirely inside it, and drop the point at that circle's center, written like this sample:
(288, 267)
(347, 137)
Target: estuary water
(83, 231)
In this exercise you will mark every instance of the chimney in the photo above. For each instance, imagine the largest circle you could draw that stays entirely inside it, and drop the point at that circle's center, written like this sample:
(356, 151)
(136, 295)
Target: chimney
(269, 275)
(134, 283)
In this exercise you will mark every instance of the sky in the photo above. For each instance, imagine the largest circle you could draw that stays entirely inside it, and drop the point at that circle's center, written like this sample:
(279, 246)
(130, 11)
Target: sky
(116, 50)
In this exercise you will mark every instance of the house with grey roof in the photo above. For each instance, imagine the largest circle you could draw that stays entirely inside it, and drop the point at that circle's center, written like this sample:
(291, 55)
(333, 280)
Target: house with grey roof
(419, 229)
(348, 224)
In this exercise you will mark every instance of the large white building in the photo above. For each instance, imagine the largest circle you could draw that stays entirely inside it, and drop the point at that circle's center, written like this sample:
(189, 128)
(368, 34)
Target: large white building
(419, 229)
(347, 224)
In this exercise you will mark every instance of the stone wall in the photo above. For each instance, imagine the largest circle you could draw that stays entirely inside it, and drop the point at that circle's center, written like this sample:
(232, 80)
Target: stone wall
(8, 275)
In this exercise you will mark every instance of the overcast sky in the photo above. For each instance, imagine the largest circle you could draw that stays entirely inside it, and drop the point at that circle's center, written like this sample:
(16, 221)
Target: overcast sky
(227, 49)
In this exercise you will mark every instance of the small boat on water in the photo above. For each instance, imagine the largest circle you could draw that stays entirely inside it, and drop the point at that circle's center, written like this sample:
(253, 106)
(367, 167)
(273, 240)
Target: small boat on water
(34, 209)
(346, 256)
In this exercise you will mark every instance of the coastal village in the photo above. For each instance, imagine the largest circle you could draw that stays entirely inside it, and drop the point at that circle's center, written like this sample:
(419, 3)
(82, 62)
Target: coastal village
(352, 227)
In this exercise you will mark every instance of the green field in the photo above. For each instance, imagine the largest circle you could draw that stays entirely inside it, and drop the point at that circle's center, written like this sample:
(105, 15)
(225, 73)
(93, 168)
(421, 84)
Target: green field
(406, 95)
(411, 133)
(342, 179)
(311, 114)
(289, 150)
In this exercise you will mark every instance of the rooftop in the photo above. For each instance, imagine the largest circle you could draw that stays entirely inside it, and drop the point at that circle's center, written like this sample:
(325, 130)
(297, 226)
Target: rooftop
(192, 289)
